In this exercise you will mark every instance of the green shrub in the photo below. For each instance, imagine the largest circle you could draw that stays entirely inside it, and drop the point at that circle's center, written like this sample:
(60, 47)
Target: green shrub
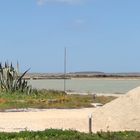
(11, 81)
(55, 134)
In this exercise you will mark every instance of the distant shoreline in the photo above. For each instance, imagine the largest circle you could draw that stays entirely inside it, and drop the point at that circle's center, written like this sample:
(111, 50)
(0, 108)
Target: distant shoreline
(96, 78)
(41, 76)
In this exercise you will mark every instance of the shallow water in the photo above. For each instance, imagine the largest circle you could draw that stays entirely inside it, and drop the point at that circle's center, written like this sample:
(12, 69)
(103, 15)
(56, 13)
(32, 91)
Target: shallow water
(88, 85)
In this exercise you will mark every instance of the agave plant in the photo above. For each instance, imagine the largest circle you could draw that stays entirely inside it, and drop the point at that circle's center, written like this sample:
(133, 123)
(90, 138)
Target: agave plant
(12, 81)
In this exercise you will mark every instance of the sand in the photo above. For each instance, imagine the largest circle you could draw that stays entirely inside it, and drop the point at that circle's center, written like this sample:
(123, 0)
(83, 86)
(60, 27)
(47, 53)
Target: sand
(76, 119)
(121, 114)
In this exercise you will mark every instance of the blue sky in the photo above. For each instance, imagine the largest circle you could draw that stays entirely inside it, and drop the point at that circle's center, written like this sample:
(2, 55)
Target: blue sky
(100, 35)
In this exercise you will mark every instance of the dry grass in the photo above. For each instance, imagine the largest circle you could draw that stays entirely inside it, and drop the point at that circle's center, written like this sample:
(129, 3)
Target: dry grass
(49, 99)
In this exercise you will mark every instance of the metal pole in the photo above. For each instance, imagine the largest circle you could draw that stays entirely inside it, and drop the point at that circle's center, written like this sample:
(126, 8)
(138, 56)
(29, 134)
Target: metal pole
(65, 53)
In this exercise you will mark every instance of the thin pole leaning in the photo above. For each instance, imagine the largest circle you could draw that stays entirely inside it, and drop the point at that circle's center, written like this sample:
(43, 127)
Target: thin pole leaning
(65, 64)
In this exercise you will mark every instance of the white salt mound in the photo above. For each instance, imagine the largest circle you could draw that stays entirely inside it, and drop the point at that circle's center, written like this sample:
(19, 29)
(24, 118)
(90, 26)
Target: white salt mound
(119, 115)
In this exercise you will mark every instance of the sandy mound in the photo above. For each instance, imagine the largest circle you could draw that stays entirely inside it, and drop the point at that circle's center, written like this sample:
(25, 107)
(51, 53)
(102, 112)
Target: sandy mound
(120, 114)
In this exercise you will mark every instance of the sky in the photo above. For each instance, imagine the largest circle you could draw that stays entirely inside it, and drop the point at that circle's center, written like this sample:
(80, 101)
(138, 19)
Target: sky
(99, 35)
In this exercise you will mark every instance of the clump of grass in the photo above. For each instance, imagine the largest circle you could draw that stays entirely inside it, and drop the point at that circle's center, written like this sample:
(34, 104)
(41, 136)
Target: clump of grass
(103, 99)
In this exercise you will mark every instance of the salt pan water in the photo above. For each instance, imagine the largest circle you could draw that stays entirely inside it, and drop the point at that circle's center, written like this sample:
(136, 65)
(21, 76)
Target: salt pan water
(88, 85)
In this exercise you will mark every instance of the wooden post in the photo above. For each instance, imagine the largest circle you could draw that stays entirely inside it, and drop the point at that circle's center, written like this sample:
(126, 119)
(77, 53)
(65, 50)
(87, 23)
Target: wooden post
(90, 124)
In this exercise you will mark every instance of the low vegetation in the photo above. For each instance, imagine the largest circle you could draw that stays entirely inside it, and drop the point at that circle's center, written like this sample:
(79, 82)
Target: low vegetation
(54, 134)
(44, 99)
